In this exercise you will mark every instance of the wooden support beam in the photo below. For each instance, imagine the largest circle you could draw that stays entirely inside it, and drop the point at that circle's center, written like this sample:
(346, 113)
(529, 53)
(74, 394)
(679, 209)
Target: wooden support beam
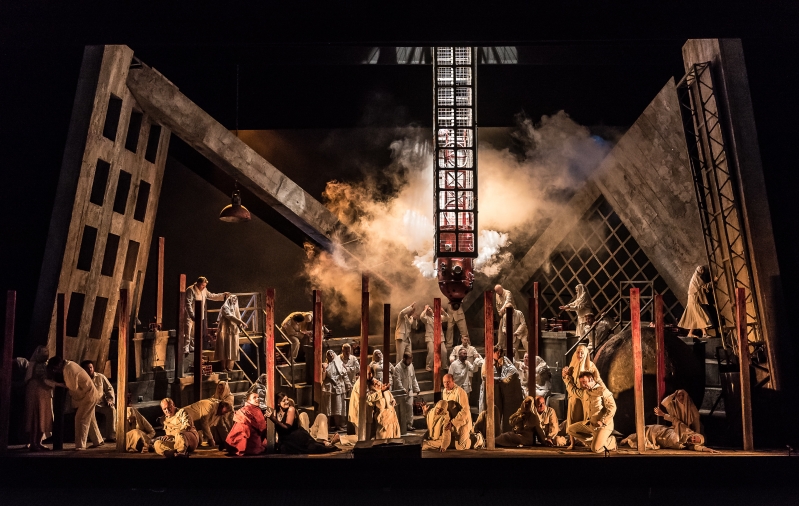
(660, 349)
(532, 338)
(159, 296)
(5, 369)
(743, 358)
(509, 334)
(489, 366)
(122, 368)
(59, 393)
(317, 349)
(437, 349)
(362, 435)
(638, 367)
(198, 350)
(269, 364)
(386, 342)
(181, 340)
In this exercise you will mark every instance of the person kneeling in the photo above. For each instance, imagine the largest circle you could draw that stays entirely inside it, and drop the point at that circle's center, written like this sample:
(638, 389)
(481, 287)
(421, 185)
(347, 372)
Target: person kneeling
(248, 435)
(600, 408)
(447, 428)
(181, 438)
(526, 426)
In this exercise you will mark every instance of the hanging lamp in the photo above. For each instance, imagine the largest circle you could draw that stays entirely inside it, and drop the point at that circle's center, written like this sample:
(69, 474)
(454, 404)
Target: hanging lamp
(235, 212)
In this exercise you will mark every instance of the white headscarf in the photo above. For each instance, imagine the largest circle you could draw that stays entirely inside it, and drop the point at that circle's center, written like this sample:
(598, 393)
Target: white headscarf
(697, 286)
(585, 364)
(40, 355)
(230, 308)
(685, 411)
(581, 300)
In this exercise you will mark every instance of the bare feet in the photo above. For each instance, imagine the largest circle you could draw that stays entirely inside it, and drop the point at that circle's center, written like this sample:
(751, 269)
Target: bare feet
(336, 439)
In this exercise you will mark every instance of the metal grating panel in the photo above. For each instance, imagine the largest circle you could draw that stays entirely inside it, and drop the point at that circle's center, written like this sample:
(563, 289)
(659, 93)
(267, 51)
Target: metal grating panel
(601, 254)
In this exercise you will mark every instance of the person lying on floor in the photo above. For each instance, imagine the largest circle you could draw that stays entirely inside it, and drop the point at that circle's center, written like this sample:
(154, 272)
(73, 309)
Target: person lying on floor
(676, 437)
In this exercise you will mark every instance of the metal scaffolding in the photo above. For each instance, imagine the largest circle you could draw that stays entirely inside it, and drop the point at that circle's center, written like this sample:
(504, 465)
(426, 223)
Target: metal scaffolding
(720, 213)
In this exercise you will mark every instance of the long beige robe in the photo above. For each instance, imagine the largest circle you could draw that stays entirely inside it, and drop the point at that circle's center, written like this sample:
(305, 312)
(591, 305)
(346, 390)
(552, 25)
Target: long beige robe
(694, 317)
(460, 396)
(684, 412)
(383, 403)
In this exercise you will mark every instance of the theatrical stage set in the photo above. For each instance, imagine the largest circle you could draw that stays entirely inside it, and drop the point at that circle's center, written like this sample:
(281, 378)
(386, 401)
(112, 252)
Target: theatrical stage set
(647, 310)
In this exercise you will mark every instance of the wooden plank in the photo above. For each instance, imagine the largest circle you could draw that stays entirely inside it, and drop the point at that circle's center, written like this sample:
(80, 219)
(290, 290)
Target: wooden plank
(743, 357)
(5, 369)
(386, 342)
(269, 364)
(317, 349)
(362, 436)
(532, 338)
(122, 369)
(437, 349)
(59, 393)
(159, 300)
(488, 298)
(660, 349)
(509, 333)
(181, 340)
(638, 366)
(198, 350)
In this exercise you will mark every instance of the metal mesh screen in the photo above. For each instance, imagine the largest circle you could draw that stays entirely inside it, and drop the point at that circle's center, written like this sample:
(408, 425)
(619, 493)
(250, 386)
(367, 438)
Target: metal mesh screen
(601, 254)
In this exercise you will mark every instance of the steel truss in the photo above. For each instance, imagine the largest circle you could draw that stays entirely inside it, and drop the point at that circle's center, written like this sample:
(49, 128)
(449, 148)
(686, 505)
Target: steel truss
(720, 214)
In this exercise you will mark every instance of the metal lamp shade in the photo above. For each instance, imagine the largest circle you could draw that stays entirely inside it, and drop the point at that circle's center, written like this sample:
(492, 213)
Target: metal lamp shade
(235, 212)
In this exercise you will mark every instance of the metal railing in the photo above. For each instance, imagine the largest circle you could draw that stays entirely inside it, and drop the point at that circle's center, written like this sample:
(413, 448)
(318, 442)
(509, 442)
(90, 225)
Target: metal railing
(289, 360)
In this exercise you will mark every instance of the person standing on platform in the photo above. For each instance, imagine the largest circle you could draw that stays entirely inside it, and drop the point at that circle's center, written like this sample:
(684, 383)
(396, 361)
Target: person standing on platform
(596, 431)
(455, 318)
(38, 400)
(106, 406)
(295, 328)
(428, 318)
(227, 337)
(580, 362)
(694, 317)
(377, 369)
(504, 299)
(581, 305)
(402, 335)
(405, 380)
(519, 331)
(85, 397)
(507, 387)
(197, 291)
(335, 387)
(351, 363)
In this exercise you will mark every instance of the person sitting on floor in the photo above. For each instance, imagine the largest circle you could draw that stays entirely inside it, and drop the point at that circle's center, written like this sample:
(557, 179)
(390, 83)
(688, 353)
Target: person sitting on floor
(248, 434)
(292, 438)
(181, 438)
(482, 420)
(223, 425)
(525, 427)
(676, 437)
(549, 422)
(260, 387)
(205, 414)
(139, 434)
(319, 431)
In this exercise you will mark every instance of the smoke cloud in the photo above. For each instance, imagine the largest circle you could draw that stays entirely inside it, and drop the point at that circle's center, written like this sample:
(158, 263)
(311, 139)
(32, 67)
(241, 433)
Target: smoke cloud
(391, 209)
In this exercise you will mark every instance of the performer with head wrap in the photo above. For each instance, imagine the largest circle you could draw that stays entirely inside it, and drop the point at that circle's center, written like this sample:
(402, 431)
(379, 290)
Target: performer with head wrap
(447, 428)
(580, 362)
(377, 369)
(543, 383)
(38, 400)
(335, 387)
(694, 317)
(383, 408)
(680, 408)
(227, 337)
(351, 363)
(582, 305)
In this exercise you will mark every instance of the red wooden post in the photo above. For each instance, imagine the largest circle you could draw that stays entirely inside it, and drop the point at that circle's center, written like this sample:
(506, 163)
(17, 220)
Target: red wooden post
(743, 358)
(660, 349)
(159, 296)
(60, 393)
(362, 436)
(317, 348)
(489, 366)
(635, 325)
(386, 342)
(122, 368)
(437, 349)
(532, 338)
(181, 341)
(198, 350)
(269, 363)
(509, 334)
(5, 369)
